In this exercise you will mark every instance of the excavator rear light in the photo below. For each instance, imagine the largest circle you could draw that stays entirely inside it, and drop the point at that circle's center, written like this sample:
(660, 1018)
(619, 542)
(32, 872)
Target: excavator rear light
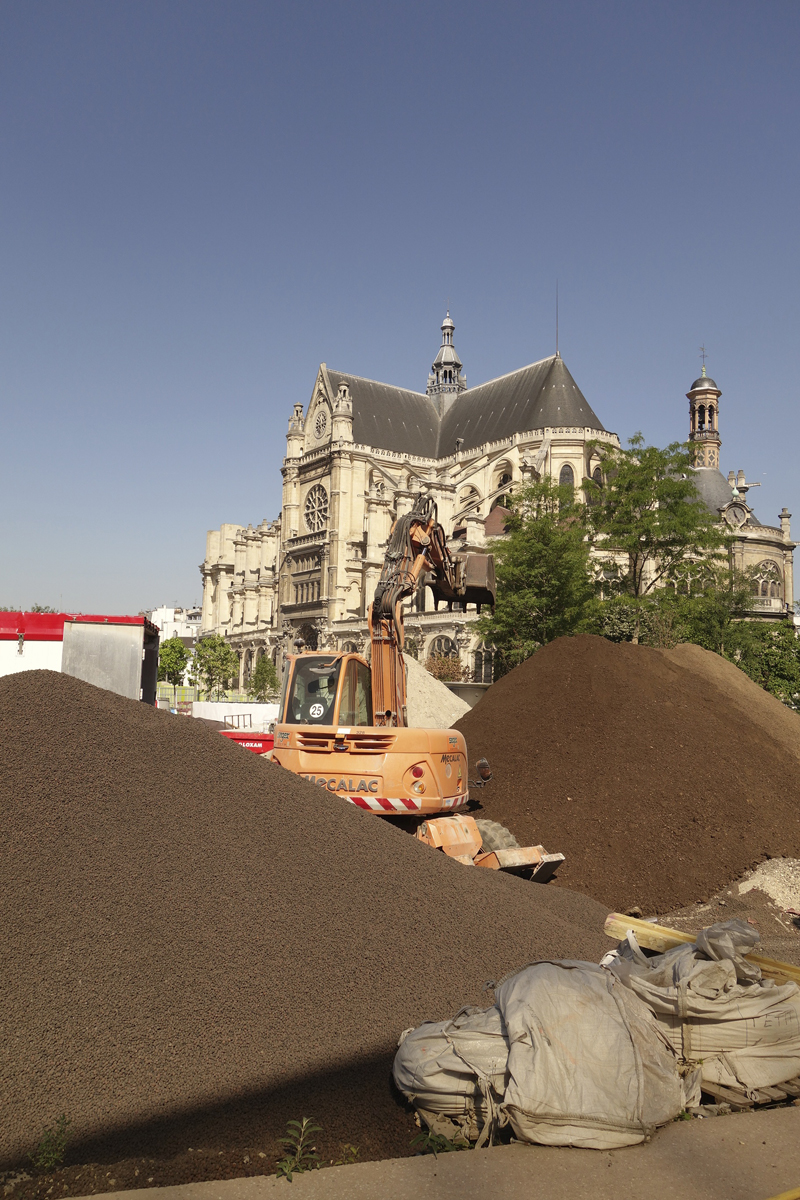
(417, 772)
(419, 788)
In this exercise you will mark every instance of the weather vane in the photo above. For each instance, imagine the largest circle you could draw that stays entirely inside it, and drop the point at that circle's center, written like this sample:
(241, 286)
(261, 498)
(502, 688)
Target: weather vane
(703, 354)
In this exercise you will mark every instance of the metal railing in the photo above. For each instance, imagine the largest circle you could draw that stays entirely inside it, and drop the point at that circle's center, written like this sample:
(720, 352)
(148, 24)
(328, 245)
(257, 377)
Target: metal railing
(186, 695)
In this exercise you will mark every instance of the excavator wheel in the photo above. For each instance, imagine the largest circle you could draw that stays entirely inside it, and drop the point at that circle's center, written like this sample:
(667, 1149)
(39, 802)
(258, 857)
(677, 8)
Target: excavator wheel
(495, 836)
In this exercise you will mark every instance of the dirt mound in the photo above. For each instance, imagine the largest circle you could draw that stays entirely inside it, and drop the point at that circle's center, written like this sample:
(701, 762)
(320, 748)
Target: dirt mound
(659, 775)
(766, 711)
(198, 946)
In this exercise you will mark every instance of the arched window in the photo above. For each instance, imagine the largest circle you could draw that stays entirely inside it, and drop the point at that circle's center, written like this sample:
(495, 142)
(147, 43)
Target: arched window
(503, 480)
(566, 476)
(767, 581)
(444, 647)
(483, 668)
(309, 635)
(349, 648)
(597, 478)
(710, 416)
(701, 417)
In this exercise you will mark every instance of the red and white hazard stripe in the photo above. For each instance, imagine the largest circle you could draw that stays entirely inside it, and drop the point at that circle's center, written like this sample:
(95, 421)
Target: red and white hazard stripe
(402, 805)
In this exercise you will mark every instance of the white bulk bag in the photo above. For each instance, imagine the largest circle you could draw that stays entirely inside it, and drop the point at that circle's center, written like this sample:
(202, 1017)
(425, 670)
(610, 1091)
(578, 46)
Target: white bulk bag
(454, 1072)
(587, 1064)
(715, 1008)
(567, 1055)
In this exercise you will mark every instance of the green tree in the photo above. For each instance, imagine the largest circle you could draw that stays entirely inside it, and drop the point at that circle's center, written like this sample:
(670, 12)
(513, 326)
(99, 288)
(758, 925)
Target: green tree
(172, 660)
(214, 665)
(264, 682)
(35, 608)
(648, 509)
(770, 654)
(543, 585)
(704, 608)
(446, 668)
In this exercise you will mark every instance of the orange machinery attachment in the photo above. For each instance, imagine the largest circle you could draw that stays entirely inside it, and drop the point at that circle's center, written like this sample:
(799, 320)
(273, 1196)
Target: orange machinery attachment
(460, 837)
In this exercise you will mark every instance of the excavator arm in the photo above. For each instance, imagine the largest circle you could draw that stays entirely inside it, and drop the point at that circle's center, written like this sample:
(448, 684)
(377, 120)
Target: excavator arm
(417, 547)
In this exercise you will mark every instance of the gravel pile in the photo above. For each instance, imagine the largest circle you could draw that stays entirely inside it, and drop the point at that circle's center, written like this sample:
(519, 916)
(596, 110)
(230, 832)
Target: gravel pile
(662, 776)
(198, 946)
(429, 703)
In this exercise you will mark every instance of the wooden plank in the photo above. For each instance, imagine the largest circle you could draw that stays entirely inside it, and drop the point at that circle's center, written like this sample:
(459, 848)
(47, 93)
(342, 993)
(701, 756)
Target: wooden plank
(792, 1086)
(774, 1093)
(661, 939)
(725, 1095)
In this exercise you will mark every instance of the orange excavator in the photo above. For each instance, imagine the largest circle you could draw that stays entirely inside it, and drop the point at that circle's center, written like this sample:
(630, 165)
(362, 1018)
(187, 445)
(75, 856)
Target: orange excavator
(343, 724)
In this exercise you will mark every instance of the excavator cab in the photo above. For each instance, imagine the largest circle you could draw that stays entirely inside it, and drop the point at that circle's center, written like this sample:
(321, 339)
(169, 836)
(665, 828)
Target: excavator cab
(327, 690)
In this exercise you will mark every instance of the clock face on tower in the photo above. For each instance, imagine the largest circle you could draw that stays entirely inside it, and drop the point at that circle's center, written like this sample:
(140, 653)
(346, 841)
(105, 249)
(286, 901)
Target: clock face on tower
(736, 514)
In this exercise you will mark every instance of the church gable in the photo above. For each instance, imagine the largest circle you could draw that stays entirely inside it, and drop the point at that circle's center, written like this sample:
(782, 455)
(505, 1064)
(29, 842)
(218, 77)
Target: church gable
(318, 423)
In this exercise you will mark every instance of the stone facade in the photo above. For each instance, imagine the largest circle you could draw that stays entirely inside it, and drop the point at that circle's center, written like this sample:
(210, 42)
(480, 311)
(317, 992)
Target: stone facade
(765, 551)
(358, 454)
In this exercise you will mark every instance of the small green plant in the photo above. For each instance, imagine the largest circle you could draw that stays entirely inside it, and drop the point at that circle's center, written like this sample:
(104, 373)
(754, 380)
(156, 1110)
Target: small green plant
(348, 1155)
(301, 1155)
(436, 1143)
(49, 1154)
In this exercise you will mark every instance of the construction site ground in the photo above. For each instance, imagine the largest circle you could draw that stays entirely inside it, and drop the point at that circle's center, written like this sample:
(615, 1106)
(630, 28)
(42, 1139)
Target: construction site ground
(172, 990)
(752, 1156)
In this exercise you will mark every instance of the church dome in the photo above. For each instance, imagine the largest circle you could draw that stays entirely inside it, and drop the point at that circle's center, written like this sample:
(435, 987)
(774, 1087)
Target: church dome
(705, 381)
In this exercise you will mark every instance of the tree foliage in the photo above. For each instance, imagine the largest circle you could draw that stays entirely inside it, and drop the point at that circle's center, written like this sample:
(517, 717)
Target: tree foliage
(35, 608)
(769, 652)
(705, 612)
(542, 566)
(716, 617)
(649, 509)
(215, 665)
(264, 683)
(447, 668)
(173, 658)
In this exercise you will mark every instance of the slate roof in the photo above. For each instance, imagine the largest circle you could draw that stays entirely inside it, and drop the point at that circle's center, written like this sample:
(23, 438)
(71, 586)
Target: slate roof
(390, 418)
(715, 491)
(541, 395)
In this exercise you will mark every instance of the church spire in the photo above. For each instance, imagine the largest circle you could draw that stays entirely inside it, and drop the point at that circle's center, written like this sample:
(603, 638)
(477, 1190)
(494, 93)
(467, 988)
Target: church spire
(445, 378)
(703, 397)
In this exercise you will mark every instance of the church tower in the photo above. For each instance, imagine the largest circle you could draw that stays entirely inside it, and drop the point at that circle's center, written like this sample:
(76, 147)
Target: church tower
(445, 380)
(703, 397)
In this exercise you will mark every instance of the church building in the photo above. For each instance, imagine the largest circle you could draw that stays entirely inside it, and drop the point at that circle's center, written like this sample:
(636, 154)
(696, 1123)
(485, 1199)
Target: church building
(361, 450)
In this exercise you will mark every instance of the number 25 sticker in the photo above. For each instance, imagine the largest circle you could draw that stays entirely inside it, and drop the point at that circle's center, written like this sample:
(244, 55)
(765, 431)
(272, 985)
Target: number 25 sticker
(317, 710)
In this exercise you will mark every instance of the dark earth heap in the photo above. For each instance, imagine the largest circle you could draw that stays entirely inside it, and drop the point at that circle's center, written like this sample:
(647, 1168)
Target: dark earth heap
(661, 775)
(199, 946)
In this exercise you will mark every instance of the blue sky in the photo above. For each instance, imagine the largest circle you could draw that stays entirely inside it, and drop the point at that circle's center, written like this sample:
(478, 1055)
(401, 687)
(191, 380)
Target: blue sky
(203, 201)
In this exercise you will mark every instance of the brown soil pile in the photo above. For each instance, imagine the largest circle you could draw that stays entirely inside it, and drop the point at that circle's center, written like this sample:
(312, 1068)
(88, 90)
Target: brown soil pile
(661, 776)
(198, 946)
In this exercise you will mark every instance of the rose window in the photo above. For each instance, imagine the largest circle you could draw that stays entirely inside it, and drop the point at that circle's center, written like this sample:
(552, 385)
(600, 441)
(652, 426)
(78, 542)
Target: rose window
(316, 509)
(321, 423)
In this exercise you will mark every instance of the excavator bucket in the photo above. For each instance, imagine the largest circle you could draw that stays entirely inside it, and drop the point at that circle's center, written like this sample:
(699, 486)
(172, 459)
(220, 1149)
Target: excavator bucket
(473, 583)
(458, 836)
(479, 584)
